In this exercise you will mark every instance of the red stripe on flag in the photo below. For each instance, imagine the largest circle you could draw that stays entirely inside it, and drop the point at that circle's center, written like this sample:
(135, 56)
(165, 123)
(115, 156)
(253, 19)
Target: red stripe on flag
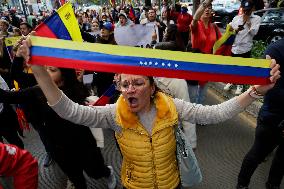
(106, 67)
(44, 31)
(102, 101)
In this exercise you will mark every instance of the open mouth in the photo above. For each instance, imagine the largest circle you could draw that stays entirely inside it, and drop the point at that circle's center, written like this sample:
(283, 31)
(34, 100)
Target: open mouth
(133, 102)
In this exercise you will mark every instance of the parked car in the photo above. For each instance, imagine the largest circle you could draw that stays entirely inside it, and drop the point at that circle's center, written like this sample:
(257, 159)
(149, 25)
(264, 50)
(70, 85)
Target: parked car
(272, 24)
(225, 11)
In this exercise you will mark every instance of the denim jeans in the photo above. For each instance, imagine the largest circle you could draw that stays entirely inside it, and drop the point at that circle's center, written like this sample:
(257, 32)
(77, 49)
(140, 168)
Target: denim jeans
(197, 93)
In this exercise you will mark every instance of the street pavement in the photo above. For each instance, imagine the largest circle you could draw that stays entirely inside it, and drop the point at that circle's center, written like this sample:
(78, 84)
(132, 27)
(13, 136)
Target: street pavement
(220, 150)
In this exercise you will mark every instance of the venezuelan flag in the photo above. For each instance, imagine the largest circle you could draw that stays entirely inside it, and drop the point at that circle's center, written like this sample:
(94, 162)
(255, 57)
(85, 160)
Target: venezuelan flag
(62, 25)
(223, 46)
(105, 98)
(150, 62)
(10, 42)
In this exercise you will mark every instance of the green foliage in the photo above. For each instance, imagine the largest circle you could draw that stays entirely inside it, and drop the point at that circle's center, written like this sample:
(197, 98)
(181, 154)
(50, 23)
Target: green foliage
(258, 49)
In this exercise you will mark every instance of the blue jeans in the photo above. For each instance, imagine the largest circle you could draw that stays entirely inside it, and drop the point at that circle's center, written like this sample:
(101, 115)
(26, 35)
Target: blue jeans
(197, 93)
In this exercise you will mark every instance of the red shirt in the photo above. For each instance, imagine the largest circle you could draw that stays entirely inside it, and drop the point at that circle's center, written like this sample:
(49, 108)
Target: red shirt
(183, 22)
(204, 38)
(20, 165)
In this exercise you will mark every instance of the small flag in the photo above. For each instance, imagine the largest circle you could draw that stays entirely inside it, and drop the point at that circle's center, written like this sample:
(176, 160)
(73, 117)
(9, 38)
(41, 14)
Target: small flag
(10, 42)
(105, 98)
(62, 25)
(223, 46)
(149, 62)
(131, 14)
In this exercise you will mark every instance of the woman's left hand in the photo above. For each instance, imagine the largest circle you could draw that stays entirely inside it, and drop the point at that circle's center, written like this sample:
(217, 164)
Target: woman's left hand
(274, 76)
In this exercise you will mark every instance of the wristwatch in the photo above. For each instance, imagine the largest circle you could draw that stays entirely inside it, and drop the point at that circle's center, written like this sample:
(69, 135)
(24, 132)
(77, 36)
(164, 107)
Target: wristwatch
(254, 93)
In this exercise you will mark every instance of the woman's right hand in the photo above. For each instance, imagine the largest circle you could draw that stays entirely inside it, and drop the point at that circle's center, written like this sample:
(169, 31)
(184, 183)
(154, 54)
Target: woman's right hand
(154, 35)
(24, 49)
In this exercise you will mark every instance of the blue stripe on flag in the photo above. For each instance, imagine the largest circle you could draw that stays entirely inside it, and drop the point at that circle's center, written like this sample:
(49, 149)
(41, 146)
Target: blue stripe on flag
(56, 25)
(149, 62)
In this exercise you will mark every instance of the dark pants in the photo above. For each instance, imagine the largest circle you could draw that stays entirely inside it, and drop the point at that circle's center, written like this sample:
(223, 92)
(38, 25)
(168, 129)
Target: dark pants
(10, 130)
(267, 137)
(185, 37)
(83, 155)
(42, 132)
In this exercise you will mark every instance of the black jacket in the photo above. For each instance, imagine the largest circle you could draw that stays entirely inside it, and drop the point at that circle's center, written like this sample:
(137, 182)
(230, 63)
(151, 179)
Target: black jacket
(272, 109)
(60, 131)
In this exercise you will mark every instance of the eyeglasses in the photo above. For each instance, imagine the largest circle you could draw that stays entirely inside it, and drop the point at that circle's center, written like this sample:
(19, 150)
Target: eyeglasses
(136, 84)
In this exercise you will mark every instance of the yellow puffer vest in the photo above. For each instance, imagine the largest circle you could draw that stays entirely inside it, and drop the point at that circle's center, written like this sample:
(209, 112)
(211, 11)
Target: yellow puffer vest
(148, 161)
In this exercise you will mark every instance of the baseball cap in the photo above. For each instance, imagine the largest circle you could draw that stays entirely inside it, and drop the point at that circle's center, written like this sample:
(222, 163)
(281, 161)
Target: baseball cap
(107, 25)
(247, 4)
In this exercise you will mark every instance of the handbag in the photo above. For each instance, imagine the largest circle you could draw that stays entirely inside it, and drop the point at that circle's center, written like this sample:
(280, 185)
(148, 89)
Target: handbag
(190, 173)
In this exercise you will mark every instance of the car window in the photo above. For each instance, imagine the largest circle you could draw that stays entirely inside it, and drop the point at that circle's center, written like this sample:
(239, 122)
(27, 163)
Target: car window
(273, 16)
(259, 13)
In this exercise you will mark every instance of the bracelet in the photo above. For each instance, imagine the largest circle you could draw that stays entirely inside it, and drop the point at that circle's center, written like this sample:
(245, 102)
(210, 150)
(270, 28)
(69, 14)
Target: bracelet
(254, 93)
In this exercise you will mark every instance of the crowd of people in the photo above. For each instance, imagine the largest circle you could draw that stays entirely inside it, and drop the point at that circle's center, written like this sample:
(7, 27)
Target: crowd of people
(143, 112)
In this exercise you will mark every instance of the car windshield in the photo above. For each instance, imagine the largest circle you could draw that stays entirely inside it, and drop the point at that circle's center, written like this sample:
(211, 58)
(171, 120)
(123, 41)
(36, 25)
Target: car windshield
(273, 16)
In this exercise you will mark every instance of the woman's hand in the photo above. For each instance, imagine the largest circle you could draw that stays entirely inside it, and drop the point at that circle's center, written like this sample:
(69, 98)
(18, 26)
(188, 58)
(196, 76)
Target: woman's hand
(154, 36)
(24, 47)
(246, 98)
(275, 75)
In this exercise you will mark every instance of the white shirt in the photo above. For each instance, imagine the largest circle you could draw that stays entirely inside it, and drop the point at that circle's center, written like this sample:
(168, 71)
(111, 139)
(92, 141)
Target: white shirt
(4, 86)
(243, 42)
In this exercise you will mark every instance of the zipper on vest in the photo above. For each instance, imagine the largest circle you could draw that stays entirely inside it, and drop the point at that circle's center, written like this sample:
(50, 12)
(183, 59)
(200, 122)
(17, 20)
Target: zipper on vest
(153, 164)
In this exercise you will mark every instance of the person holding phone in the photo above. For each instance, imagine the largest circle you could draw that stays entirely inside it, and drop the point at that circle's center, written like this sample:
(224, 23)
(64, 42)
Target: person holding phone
(246, 27)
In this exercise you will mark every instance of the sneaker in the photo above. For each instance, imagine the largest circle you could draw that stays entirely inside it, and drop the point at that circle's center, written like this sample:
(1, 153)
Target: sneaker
(228, 87)
(111, 180)
(239, 90)
(47, 160)
(270, 186)
(241, 187)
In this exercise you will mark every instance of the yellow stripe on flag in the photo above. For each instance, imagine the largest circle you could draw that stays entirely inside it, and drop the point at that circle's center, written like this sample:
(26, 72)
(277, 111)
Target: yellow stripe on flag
(67, 16)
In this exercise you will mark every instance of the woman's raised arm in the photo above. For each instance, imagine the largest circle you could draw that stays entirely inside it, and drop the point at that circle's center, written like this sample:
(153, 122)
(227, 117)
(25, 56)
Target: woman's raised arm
(49, 88)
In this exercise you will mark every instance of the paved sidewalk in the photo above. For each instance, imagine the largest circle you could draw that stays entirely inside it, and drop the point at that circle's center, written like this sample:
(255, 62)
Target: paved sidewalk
(218, 88)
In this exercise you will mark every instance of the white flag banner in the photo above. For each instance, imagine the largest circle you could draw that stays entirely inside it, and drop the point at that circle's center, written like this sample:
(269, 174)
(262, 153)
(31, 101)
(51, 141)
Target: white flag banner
(135, 35)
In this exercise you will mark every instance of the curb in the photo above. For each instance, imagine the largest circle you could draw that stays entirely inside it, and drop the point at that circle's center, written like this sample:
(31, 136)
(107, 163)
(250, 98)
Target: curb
(218, 88)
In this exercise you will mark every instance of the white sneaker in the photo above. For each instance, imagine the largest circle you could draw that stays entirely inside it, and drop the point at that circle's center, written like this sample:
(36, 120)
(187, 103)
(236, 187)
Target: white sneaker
(228, 86)
(239, 90)
(111, 180)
